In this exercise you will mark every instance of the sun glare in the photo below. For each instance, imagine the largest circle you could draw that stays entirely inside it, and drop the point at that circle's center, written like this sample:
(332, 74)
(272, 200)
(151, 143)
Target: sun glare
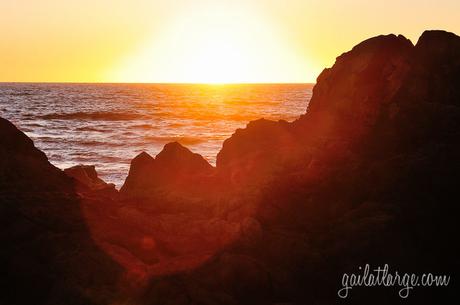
(218, 45)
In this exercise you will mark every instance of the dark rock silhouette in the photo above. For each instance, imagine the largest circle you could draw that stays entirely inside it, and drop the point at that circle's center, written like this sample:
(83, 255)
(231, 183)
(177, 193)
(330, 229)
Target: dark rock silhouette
(47, 255)
(141, 174)
(24, 166)
(349, 97)
(177, 158)
(253, 155)
(87, 181)
(174, 167)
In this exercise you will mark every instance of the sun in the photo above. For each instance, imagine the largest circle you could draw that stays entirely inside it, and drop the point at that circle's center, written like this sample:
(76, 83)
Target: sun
(214, 45)
(215, 55)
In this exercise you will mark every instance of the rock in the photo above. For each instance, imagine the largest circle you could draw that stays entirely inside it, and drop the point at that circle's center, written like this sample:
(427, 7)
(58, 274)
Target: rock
(22, 166)
(348, 98)
(47, 256)
(177, 159)
(252, 155)
(367, 175)
(246, 278)
(85, 174)
(346, 103)
(175, 167)
(141, 175)
(88, 181)
(382, 95)
(435, 59)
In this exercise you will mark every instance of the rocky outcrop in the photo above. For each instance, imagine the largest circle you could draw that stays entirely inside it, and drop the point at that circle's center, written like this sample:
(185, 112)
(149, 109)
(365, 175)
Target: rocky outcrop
(47, 255)
(434, 59)
(349, 98)
(179, 160)
(141, 175)
(347, 101)
(253, 155)
(385, 88)
(367, 175)
(87, 181)
(175, 167)
(22, 166)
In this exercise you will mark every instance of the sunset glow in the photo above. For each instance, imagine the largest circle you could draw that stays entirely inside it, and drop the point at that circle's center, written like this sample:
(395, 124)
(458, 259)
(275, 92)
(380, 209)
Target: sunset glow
(197, 41)
(215, 44)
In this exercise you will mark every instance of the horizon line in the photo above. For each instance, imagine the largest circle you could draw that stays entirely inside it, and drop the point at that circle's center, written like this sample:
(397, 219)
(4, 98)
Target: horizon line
(158, 83)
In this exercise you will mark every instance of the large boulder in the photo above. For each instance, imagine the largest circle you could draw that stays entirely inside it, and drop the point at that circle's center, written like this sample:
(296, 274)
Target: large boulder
(176, 159)
(348, 98)
(174, 169)
(141, 175)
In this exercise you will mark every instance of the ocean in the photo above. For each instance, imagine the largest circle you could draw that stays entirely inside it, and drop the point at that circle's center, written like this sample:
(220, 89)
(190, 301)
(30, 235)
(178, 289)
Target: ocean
(107, 125)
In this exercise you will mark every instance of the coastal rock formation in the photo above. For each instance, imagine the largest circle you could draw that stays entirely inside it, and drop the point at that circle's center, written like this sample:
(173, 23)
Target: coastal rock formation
(435, 59)
(170, 224)
(47, 255)
(350, 96)
(367, 175)
(22, 166)
(141, 175)
(347, 102)
(251, 156)
(175, 167)
(87, 180)
(385, 88)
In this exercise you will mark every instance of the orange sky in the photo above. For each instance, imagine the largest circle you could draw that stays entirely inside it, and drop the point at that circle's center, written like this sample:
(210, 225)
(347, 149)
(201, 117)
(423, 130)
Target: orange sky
(198, 41)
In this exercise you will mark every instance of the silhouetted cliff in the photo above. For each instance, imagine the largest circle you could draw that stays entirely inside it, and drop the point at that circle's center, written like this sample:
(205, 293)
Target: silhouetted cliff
(47, 255)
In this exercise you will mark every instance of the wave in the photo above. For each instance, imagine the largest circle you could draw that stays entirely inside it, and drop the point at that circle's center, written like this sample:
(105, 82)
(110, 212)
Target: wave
(95, 143)
(34, 125)
(89, 129)
(142, 126)
(22, 93)
(95, 116)
(182, 140)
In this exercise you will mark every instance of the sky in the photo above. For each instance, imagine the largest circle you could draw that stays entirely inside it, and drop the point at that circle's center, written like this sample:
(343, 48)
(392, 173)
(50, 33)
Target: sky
(198, 41)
